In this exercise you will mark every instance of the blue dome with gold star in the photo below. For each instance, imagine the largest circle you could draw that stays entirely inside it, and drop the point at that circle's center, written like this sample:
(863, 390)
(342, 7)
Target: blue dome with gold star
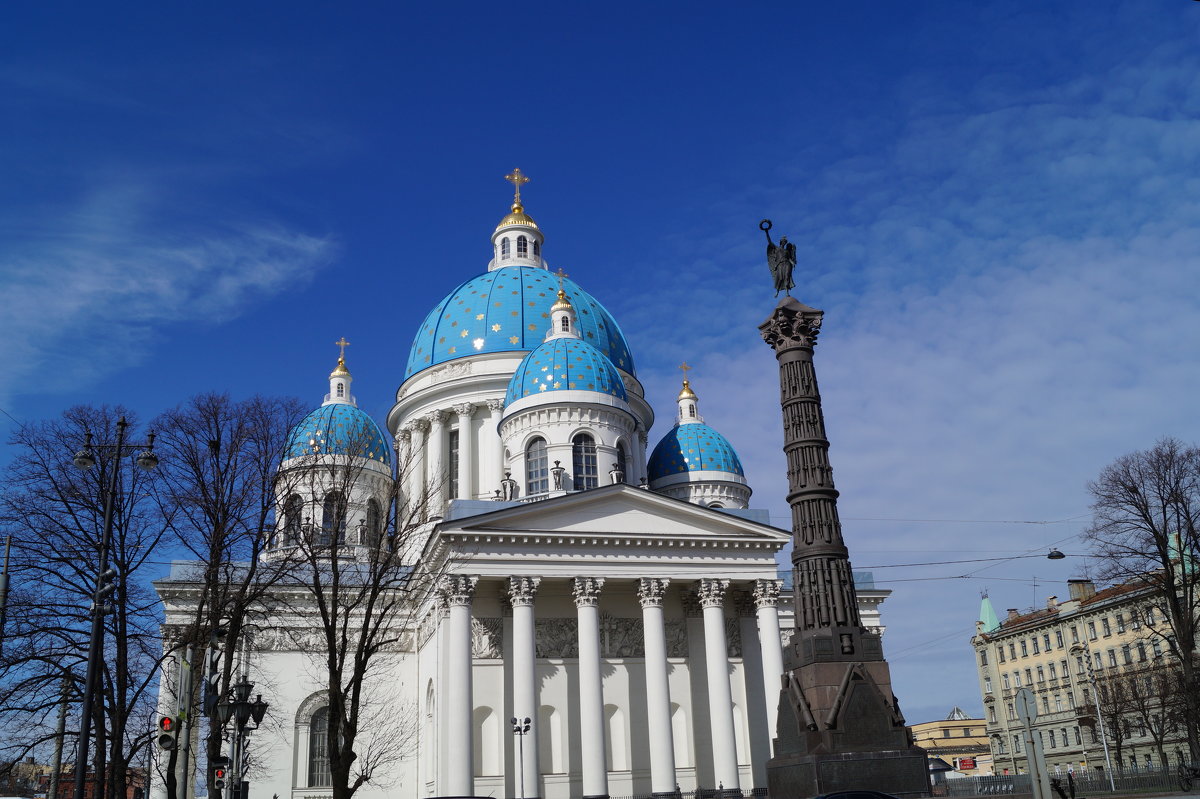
(564, 364)
(507, 310)
(693, 447)
(338, 429)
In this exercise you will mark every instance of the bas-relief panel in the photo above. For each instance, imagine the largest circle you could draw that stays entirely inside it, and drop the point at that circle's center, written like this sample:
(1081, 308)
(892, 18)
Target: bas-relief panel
(487, 640)
(619, 638)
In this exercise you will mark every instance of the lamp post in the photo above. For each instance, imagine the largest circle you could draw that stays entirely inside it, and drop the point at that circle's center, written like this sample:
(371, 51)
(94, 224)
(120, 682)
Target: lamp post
(237, 705)
(86, 459)
(520, 728)
(1086, 651)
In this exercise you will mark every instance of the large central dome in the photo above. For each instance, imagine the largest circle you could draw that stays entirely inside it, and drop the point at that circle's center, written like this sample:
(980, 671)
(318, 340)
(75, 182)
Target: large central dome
(507, 311)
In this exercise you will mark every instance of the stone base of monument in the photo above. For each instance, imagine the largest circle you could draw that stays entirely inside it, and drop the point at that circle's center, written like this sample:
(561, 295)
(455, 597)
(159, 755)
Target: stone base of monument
(902, 772)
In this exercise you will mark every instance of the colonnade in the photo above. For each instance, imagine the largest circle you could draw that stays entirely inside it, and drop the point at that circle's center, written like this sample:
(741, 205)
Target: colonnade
(421, 451)
(457, 591)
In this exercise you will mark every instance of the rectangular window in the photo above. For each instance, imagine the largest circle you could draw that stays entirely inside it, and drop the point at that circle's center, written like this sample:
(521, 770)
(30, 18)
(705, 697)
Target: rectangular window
(992, 715)
(1156, 645)
(1078, 738)
(1141, 646)
(1127, 654)
(1012, 650)
(945, 733)
(1058, 706)
(1099, 660)
(1134, 621)
(1112, 658)
(1011, 713)
(1071, 701)
(987, 685)
(1053, 745)
(1024, 648)
(1036, 650)
(1120, 622)
(1016, 679)
(453, 464)
(1041, 674)
(1045, 704)
(1058, 639)
(1017, 744)
(1000, 651)
(1074, 635)
(1046, 639)
(1029, 676)
(1091, 631)
(1053, 672)
(1150, 620)
(983, 657)
(1079, 667)
(1063, 665)
(1004, 681)
(1104, 625)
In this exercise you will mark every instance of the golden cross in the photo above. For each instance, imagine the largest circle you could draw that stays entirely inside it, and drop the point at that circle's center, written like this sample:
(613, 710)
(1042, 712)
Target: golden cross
(561, 274)
(342, 344)
(518, 180)
(683, 367)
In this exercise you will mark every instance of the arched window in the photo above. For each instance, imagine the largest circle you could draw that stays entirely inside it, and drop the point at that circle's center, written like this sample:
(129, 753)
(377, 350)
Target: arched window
(537, 472)
(293, 513)
(333, 519)
(319, 775)
(691, 411)
(565, 323)
(341, 389)
(522, 247)
(504, 248)
(374, 517)
(621, 462)
(583, 458)
(537, 249)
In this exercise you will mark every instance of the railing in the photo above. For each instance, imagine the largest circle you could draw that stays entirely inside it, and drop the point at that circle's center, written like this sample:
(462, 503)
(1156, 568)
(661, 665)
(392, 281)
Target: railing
(1127, 780)
(702, 793)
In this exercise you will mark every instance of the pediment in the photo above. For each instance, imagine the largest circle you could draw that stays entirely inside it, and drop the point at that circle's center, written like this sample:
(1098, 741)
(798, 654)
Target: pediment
(618, 511)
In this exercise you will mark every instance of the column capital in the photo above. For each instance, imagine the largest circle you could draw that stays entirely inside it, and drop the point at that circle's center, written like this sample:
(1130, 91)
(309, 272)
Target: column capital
(494, 405)
(766, 593)
(458, 589)
(587, 591)
(522, 590)
(464, 409)
(711, 592)
(403, 436)
(437, 418)
(417, 425)
(652, 590)
(792, 324)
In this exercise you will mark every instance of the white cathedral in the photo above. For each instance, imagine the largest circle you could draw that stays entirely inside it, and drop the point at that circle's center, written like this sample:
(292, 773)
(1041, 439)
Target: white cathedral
(627, 601)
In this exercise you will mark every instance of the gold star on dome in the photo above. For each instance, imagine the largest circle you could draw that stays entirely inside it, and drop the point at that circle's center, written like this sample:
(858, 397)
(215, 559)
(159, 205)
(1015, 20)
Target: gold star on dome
(513, 340)
(495, 328)
(479, 317)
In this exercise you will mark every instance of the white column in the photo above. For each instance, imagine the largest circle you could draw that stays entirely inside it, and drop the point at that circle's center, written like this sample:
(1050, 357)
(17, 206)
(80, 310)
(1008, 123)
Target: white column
(766, 602)
(466, 452)
(643, 441)
(402, 447)
(435, 468)
(493, 465)
(591, 688)
(418, 491)
(456, 698)
(651, 591)
(711, 593)
(521, 592)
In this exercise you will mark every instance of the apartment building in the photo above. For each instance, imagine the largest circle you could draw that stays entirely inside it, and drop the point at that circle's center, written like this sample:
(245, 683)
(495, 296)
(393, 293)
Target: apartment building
(1067, 653)
(959, 740)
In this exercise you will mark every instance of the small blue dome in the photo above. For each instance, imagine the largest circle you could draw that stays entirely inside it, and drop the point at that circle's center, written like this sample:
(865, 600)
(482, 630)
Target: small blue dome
(338, 429)
(564, 364)
(694, 447)
(509, 310)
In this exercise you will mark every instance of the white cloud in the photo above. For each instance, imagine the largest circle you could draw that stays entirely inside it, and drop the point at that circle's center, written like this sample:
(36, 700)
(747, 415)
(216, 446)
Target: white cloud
(85, 291)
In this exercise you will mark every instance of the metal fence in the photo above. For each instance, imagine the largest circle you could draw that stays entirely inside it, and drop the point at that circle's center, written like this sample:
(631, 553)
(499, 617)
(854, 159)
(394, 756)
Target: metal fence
(1093, 782)
(702, 793)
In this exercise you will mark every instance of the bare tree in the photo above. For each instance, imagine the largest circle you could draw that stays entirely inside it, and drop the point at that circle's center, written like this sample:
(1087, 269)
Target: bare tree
(1153, 703)
(216, 497)
(359, 586)
(1146, 511)
(55, 513)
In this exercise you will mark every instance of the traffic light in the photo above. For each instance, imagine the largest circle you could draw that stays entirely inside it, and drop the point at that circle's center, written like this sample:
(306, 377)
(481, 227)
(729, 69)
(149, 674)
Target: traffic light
(167, 733)
(219, 778)
(212, 670)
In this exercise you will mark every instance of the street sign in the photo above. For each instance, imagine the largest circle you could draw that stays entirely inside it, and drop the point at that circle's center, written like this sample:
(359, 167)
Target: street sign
(1026, 704)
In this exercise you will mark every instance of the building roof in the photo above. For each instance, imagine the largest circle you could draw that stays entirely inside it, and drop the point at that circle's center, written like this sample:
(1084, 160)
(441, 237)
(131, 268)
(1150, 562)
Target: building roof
(338, 429)
(694, 447)
(564, 364)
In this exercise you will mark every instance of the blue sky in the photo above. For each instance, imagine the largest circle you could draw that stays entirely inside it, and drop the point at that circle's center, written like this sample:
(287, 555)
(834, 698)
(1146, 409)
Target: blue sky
(995, 204)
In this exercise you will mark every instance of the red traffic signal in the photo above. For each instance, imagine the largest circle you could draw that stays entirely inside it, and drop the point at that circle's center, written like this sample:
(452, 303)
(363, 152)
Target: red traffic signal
(166, 735)
(166, 724)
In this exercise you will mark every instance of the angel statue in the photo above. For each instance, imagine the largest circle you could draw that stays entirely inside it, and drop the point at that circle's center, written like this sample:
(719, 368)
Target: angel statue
(781, 258)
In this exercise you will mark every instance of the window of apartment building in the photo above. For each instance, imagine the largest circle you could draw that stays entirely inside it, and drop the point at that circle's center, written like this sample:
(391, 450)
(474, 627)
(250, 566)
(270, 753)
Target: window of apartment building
(1171, 648)
(1150, 616)
(983, 657)
(1092, 734)
(1141, 728)
(1120, 622)
(966, 732)
(1017, 744)
(1078, 737)
(1029, 676)
(1004, 681)
(1058, 639)
(1011, 713)
(1041, 674)
(1036, 648)
(1000, 651)
(1063, 664)
(1149, 762)
(1112, 658)
(987, 685)
(1127, 654)
(1024, 648)
(1046, 639)
(1053, 672)
(945, 733)
(1087, 696)
(1133, 762)
(1074, 635)
(1053, 743)
(1106, 627)
(1071, 700)
(1058, 706)
(1066, 743)
(1012, 650)
(1091, 631)
(992, 714)
(1016, 679)
(1156, 645)
(1141, 647)
(1045, 704)
(1134, 621)
(1079, 667)
(1099, 660)
(999, 745)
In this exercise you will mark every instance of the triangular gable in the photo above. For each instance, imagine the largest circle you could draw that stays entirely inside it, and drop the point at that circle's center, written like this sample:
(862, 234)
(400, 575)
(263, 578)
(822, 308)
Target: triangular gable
(618, 510)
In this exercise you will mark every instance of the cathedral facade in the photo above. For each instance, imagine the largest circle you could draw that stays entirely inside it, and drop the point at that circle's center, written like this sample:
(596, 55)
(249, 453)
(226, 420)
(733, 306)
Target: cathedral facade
(623, 598)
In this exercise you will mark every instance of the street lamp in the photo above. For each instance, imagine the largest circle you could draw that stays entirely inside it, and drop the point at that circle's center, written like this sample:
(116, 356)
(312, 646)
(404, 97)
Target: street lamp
(86, 459)
(1085, 650)
(237, 706)
(520, 728)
